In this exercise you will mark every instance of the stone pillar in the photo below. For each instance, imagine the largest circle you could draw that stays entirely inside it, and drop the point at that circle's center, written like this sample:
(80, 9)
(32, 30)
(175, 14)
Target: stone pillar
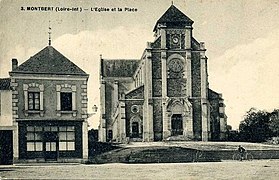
(189, 123)
(163, 39)
(204, 101)
(115, 95)
(122, 122)
(15, 141)
(188, 37)
(223, 119)
(188, 73)
(85, 140)
(102, 127)
(148, 133)
(14, 107)
(166, 132)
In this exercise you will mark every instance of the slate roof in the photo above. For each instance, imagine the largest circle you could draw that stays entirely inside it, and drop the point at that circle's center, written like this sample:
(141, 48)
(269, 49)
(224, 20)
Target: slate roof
(174, 15)
(213, 95)
(118, 67)
(49, 61)
(5, 84)
(195, 44)
(137, 93)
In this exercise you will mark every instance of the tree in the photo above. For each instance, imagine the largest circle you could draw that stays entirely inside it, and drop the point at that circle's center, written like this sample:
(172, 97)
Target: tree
(274, 122)
(255, 126)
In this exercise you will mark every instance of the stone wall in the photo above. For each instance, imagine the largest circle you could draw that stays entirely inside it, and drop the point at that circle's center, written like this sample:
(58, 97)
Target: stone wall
(196, 74)
(156, 75)
(214, 115)
(196, 94)
(109, 103)
(130, 113)
(49, 98)
(157, 119)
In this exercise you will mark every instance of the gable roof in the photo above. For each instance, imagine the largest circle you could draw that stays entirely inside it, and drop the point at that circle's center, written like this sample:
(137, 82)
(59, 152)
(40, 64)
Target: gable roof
(118, 67)
(174, 15)
(137, 93)
(5, 84)
(49, 61)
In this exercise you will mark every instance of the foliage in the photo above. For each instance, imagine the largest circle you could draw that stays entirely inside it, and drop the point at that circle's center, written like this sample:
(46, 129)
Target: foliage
(274, 122)
(256, 126)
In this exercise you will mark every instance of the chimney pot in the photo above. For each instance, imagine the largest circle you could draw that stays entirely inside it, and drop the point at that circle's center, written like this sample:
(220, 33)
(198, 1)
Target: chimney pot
(14, 64)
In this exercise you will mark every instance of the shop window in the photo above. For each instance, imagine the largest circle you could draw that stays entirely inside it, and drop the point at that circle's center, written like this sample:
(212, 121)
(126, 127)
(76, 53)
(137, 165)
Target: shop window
(34, 138)
(67, 138)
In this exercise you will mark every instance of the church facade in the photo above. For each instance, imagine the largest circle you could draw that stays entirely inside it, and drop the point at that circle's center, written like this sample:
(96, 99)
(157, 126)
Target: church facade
(165, 95)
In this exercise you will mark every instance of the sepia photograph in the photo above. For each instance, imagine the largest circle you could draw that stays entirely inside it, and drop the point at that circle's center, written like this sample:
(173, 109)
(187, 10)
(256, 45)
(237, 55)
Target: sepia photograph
(139, 89)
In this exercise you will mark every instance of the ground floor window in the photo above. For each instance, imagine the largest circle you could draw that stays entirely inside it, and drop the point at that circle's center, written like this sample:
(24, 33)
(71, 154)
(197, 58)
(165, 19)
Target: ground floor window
(34, 138)
(67, 138)
(50, 138)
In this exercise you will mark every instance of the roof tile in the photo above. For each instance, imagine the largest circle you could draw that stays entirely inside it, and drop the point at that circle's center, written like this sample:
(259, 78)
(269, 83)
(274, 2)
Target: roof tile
(5, 84)
(119, 67)
(49, 61)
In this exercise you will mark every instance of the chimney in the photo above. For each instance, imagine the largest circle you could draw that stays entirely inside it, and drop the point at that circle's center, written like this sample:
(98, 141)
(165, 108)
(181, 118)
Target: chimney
(14, 64)
(202, 46)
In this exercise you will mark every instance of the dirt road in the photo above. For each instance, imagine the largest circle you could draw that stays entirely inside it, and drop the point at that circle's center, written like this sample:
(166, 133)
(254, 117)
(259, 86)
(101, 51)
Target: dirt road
(257, 169)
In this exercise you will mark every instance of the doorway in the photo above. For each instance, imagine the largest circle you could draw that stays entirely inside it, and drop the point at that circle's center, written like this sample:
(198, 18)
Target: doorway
(6, 147)
(51, 146)
(135, 129)
(176, 125)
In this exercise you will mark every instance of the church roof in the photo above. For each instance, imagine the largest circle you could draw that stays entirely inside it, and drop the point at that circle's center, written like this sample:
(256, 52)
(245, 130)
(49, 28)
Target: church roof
(118, 67)
(49, 61)
(5, 84)
(214, 95)
(174, 15)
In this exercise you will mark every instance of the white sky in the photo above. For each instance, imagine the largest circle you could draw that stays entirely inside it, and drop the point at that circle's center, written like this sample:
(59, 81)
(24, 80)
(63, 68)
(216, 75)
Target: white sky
(241, 37)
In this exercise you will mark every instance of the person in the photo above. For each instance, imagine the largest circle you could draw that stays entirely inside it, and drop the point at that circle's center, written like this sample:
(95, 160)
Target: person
(241, 151)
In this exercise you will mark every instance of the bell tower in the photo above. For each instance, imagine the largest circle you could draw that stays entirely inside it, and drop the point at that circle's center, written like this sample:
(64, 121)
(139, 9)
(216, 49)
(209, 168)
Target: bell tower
(174, 32)
(175, 29)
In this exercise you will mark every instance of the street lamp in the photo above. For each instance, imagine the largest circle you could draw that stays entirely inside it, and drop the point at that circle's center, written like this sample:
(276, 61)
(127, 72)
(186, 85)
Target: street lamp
(95, 109)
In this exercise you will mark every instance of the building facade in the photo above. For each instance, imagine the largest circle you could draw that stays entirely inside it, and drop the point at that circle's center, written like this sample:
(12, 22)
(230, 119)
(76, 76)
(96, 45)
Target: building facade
(49, 108)
(6, 122)
(164, 95)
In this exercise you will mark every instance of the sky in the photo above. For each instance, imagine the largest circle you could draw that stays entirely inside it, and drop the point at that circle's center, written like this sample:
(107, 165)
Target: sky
(241, 38)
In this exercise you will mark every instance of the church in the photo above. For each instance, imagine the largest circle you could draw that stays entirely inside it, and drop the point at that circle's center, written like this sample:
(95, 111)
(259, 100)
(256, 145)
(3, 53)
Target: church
(165, 95)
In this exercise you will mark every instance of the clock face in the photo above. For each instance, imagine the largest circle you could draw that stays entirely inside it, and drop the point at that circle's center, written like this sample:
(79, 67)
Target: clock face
(175, 39)
(176, 65)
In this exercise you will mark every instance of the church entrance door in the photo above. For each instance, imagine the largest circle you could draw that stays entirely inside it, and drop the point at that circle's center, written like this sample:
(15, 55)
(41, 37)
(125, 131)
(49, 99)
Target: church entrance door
(135, 129)
(176, 125)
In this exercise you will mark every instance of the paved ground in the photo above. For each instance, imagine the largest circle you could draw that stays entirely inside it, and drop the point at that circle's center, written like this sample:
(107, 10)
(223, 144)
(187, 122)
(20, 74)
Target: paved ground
(257, 169)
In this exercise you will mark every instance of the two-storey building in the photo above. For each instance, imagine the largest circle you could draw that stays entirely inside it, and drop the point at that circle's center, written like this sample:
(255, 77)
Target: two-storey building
(49, 108)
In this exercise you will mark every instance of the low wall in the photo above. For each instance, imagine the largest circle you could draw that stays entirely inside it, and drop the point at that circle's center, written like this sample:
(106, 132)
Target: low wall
(174, 155)
(228, 154)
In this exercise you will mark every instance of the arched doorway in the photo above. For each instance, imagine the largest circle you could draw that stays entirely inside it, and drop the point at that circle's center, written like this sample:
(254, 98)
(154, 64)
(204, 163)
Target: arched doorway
(135, 130)
(176, 125)
(136, 127)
